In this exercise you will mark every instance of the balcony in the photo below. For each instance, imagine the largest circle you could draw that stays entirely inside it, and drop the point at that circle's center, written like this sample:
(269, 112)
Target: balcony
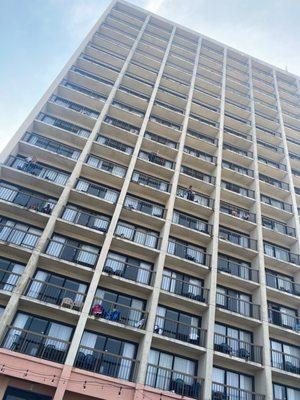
(145, 207)
(284, 319)
(185, 288)
(241, 270)
(188, 252)
(281, 253)
(37, 169)
(184, 332)
(55, 294)
(35, 344)
(198, 175)
(173, 381)
(65, 125)
(138, 235)
(238, 189)
(114, 144)
(120, 313)
(283, 284)
(237, 305)
(191, 222)
(226, 392)
(279, 227)
(195, 197)
(285, 362)
(154, 158)
(85, 255)
(84, 90)
(122, 125)
(150, 181)
(237, 212)
(22, 198)
(20, 236)
(105, 363)
(99, 191)
(9, 279)
(160, 139)
(74, 106)
(238, 348)
(237, 238)
(51, 145)
(136, 273)
(85, 218)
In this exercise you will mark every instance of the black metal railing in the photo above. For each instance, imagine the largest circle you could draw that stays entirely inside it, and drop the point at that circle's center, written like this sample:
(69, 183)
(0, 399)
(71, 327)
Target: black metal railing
(283, 284)
(138, 235)
(90, 220)
(35, 344)
(135, 204)
(173, 381)
(8, 279)
(286, 362)
(285, 320)
(226, 392)
(238, 269)
(54, 294)
(237, 305)
(238, 212)
(238, 348)
(105, 363)
(128, 271)
(196, 197)
(188, 252)
(237, 238)
(20, 237)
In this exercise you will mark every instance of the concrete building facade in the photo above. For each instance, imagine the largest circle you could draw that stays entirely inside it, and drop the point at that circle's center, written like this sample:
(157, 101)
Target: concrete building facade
(149, 240)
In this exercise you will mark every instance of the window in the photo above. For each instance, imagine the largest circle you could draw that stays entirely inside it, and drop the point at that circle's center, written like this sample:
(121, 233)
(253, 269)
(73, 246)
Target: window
(106, 165)
(128, 267)
(234, 341)
(190, 222)
(85, 217)
(283, 316)
(119, 307)
(103, 192)
(187, 250)
(276, 251)
(10, 272)
(182, 284)
(235, 267)
(282, 392)
(137, 234)
(281, 282)
(106, 355)
(147, 207)
(231, 384)
(12, 393)
(234, 301)
(54, 288)
(14, 232)
(72, 250)
(285, 356)
(38, 337)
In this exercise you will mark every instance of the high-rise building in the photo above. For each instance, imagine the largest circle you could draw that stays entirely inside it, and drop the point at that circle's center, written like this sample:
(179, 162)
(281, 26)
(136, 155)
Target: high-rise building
(149, 240)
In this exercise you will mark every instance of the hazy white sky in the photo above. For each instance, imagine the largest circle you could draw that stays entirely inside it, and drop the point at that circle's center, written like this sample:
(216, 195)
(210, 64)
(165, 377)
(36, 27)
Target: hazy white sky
(39, 36)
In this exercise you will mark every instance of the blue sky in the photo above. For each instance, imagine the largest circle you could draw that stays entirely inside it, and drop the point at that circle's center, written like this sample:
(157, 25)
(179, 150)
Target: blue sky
(39, 36)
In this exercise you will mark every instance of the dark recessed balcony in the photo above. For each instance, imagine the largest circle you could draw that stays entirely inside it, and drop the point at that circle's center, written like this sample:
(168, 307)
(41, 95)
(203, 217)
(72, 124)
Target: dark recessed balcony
(286, 362)
(195, 197)
(27, 236)
(105, 363)
(282, 283)
(238, 305)
(35, 344)
(237, 212)
(238, 348)
(154, 158)
(135, 204)
(284, 319)
(188, 252)
(138, 235)
(54, 294)
(191, 222)
(9, 279)
(240, 269)
(173, 381)
(65, 125)
(237, 238)
(151, 181)
(85, 218)
(226, 392)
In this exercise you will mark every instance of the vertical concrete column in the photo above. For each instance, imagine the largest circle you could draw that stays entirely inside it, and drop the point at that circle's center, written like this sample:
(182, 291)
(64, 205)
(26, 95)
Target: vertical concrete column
(49, 228)
(153, 301)
(109, 236)
(209, 320)
(263, 381)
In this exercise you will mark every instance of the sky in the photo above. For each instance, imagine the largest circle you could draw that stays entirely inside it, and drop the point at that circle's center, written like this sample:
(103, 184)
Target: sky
(39, 36)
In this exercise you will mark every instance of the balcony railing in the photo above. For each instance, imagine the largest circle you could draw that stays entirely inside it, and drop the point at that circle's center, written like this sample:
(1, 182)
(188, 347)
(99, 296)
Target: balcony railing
(128, 271)
(237, 238)
(148, 180)
(8, 280)
(173, 381)
(286, 362)
(195, 197)
(202, 136)
(238, 348)
(106, 165)
(105, 363)
(65, 125)
(180, 331)
(154, 158)
(188, 252)
(73, 254)
(285, 320)
(282, 284)
(184, 288)
(114, 144)
(192, 223)
(237, 269)
(97, 190)
(121, 124)
(198, 175)
(279, 227)
(38, 170)
(237, 305)
(226, 392)
(146, 207)
(94, 221)
(238, 189)
(25, 199)
(161, 140)
(274, 182)
(54, 294)
(51, 145)
(35, 344)
(123, 314)
(20, 237)
(284, 255)
(138, 235)
(200, 154)
(238, 212)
